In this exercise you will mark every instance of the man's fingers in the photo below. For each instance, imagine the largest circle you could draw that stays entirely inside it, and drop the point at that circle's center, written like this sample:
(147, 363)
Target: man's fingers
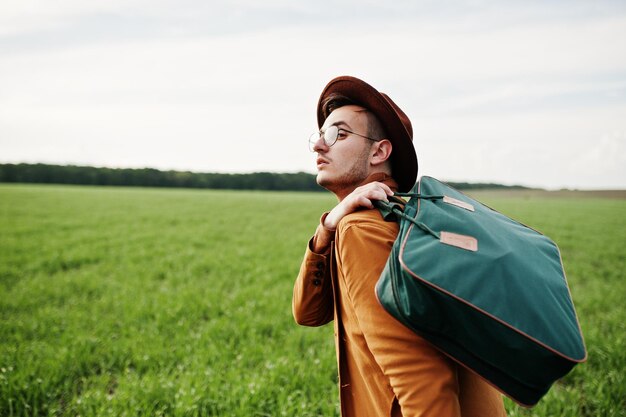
(385, 188)
(366, 202)
(360, 197)
(361, 201)
(380, 186)
(364, 195)
(378, 194)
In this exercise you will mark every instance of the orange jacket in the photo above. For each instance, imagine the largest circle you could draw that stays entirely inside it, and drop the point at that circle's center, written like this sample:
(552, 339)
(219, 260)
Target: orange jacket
(384, 368)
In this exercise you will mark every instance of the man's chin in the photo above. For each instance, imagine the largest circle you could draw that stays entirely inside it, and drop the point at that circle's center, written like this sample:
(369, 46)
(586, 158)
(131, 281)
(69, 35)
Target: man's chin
(323, 180)
(334, 185)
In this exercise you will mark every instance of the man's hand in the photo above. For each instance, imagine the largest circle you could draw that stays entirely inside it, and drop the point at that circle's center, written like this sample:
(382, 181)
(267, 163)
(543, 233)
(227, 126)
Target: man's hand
(360, 197)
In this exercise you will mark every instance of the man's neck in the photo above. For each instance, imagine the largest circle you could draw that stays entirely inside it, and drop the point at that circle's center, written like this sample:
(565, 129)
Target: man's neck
(376, 176)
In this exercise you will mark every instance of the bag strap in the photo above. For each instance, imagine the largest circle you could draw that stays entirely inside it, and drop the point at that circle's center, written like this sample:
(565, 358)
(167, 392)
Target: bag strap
(418, 195)
(394, 209)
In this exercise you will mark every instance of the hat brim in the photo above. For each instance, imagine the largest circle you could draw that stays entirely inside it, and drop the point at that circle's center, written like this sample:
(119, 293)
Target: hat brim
(403, 156)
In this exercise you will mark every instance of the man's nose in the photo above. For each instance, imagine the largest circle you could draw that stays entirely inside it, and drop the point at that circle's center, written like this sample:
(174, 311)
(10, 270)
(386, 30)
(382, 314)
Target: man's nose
(320, 145)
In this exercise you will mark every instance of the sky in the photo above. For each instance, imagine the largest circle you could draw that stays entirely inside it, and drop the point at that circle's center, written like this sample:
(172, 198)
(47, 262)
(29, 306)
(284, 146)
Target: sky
(514, 92)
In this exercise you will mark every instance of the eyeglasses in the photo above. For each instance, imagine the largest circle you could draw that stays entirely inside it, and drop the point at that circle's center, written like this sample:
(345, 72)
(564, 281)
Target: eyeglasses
(330, 136)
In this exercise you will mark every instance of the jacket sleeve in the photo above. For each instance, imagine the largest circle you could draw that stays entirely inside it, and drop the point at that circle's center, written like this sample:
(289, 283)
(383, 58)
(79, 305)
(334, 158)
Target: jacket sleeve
(423, 380)
(312, 302)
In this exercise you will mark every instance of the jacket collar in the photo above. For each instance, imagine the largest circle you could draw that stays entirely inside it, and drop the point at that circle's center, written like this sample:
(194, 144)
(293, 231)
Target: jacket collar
(381, 177)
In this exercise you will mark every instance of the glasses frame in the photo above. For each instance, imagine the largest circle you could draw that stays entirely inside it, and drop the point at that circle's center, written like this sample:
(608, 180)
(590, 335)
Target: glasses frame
(322, 134)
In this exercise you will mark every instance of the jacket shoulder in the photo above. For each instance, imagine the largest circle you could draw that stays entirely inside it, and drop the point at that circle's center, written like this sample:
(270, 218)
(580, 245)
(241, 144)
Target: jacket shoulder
(368, 218)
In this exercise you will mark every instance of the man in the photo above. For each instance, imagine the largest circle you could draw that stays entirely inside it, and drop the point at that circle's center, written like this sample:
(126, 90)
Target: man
(365, 152)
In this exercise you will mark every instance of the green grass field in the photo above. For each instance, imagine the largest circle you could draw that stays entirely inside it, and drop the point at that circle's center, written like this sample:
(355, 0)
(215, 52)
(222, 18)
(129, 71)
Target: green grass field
(147, 302)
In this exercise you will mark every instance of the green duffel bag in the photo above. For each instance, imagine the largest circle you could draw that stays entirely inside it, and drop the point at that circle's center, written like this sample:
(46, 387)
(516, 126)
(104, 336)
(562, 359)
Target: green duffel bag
(486, 290)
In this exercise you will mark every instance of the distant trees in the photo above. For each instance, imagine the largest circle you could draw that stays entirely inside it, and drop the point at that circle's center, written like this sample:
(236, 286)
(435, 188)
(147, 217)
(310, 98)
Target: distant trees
(150, 177)
(484, 186)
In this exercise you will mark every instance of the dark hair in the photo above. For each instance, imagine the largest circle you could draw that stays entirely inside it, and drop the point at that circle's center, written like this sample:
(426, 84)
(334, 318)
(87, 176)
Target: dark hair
(333, 102)
(375, 129)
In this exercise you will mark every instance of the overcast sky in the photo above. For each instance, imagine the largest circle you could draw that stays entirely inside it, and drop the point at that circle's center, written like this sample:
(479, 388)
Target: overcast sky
(528, 92)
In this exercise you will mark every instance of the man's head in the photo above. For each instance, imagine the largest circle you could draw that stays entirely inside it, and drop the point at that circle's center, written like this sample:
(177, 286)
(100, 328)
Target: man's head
(352, 146)
(363, 132)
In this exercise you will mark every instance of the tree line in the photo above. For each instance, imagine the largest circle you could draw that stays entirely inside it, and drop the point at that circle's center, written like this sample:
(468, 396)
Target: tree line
(150, 177)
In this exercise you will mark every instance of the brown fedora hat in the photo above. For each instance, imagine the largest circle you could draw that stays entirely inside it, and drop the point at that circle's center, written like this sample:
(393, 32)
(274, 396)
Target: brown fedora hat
(394, 121)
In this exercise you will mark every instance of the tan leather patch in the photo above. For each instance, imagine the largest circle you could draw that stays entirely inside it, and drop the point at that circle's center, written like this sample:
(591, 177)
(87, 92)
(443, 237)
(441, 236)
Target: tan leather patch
(460, 241)
(458, 203)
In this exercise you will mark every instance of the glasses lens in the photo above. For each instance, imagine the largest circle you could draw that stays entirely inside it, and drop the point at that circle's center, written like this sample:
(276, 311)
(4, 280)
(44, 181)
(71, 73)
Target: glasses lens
(313, 140)
(330, 135)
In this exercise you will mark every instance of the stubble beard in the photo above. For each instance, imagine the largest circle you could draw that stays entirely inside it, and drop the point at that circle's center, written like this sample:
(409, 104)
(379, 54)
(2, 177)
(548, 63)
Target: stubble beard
(349, 178)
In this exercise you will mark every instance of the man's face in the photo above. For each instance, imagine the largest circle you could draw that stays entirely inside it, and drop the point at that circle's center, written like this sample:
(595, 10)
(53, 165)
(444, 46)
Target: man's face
(345, 165)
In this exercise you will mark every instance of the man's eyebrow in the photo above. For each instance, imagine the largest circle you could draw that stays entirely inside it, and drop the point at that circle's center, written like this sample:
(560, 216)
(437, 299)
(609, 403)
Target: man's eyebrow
(341, 122)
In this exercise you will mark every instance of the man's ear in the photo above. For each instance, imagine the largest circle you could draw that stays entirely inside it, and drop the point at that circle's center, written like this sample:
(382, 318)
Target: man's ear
(381, 151)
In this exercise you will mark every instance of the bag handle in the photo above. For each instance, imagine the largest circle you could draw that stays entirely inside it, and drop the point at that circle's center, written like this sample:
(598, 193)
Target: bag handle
(418, 195)
(445, 198)
(394, 210)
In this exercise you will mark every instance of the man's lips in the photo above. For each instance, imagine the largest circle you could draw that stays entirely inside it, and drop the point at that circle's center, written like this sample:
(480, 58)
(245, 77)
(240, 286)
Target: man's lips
(321, 162)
